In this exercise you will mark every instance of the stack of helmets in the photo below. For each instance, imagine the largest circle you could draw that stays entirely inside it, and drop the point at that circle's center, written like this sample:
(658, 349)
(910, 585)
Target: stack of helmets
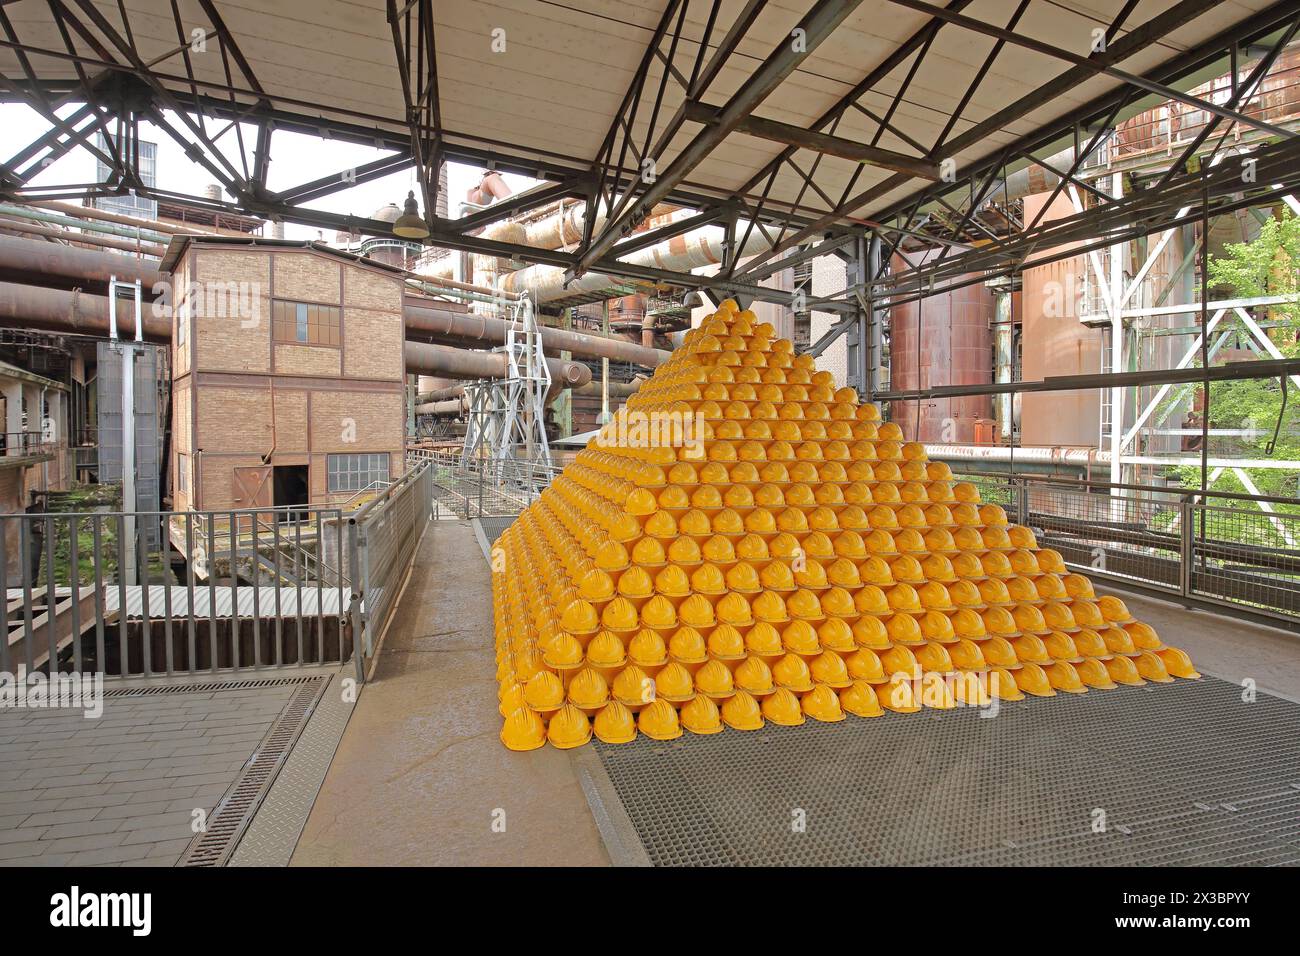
(745, 544)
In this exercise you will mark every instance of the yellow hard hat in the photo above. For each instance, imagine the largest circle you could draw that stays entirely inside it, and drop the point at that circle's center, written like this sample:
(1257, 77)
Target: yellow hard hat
(687, 646)
(835, 634)
(695, 611)
(935, 626)
(903, 629)
(1032, 679)
(670, 582)
(1058, 618)
(792, 672)
(1152, 667)
(1078, 587)
(843, 573)
(1000, 622)
(701, 716)
(822, 704)
(523, 730)
(964, 594)
(829, 668)
(741, 712)
(1002, 684)
(606, 651)
(581, 618)
(1023, 562)
(968, 566)
(1029, 619)
(1093, 674)
(1051, 562)
(1118, 641)
(1030, 649)
(1087, 614)
(754, 677)
(754, 548)
(569, 728)
(588, 690)
(782, 708)
(674, 683)
(996, 539)
(1123, 670)
(769, 607)
(1178, 663)
(934, 596)
(859, 699)
(1144, 636)
(798, 637)
(999, 652)
(996, 565)
(1089, 643)
(1062, 676)
(881, 542)
(1114, 610)
(870, 632)
(803, 605)
(614, 724)
(633, 687)
(864, 664)
(967, 623)
(684, 552)
(1050, 587)
(837, 602)
(544, 692)
(725, 643)
(647, 649)
(904, 597)
(898, 696)
(1022, 537)
(967, 655)
(648, 552)
(714, 680)
(941, 543)
(971, 689)
(563, 653)
(659, 721)
(900, 660)
(934, 658)
(1061, 648)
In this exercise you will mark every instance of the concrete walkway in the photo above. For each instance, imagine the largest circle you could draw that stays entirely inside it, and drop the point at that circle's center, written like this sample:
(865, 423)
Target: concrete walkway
(420, 777)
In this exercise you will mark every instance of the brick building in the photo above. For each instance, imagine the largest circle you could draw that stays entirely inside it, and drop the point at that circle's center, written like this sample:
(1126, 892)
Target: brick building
(288, 373)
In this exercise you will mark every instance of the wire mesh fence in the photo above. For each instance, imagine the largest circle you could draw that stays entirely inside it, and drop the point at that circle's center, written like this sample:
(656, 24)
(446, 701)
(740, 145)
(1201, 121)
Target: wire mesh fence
(1240, 552)
(476, 488)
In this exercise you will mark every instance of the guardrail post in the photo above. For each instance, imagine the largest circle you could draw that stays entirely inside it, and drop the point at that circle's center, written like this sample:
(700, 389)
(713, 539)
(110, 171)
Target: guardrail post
(354, 603)
(1022, 502)
(1186, 550)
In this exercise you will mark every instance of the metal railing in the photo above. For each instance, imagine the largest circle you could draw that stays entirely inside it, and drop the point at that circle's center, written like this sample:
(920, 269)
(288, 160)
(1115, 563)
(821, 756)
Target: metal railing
(1236, 553)
(139, 594)
(382, 538)
(24, 444)
(479, 488)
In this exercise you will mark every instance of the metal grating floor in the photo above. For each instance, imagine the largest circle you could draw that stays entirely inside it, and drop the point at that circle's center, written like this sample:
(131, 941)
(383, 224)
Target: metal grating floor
(1186, 774)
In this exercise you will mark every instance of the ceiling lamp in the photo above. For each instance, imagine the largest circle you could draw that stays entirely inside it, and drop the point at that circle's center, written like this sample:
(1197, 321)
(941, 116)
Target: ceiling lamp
(409, 225)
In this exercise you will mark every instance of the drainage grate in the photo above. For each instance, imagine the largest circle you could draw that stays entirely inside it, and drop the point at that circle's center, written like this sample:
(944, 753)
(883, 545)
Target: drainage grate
(235, 811)
(157, 690)
(1185, 775)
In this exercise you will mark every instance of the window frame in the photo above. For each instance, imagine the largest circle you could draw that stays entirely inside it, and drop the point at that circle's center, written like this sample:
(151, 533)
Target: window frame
(307, 318)
(365, 475)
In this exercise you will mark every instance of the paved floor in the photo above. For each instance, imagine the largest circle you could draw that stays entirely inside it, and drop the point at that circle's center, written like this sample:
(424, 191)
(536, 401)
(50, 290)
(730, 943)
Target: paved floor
(123, 788)
(420, 776)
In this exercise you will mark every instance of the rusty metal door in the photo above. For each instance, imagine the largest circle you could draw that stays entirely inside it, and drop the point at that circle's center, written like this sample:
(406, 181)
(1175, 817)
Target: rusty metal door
(253, 487)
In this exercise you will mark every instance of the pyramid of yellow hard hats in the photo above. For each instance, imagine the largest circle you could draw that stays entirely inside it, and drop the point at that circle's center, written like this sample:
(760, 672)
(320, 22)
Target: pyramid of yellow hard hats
(794, 559)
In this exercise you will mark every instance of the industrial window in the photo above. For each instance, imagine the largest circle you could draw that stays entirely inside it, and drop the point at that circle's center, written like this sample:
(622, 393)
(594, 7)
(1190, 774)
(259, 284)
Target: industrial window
(183, 474)
(182, 324)
(355, 472)
(305, 323)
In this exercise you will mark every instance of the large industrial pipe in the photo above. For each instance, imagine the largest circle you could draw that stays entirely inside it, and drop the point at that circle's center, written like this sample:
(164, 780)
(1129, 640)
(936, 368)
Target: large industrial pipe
(422, 358)
(57, 310)
(423, 317)
(85, 238)
(30, 257)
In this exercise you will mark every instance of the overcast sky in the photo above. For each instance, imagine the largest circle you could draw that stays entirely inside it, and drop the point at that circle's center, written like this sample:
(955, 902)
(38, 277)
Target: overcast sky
(294, 159)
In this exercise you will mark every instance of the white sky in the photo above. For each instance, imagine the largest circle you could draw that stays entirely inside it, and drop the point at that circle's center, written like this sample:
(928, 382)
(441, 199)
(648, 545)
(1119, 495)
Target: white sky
(294, 159)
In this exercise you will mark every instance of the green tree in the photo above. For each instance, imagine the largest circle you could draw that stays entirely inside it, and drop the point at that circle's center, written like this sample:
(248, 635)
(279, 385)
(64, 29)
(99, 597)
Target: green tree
(1268, 266)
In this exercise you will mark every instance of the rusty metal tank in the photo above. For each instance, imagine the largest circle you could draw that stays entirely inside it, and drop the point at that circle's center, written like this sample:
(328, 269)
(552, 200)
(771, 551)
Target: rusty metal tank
(956, 348)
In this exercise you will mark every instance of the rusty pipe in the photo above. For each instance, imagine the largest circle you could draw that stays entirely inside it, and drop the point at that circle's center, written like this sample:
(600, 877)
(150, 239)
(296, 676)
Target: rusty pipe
(81, 265)
(423, 358)
(58, 310)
